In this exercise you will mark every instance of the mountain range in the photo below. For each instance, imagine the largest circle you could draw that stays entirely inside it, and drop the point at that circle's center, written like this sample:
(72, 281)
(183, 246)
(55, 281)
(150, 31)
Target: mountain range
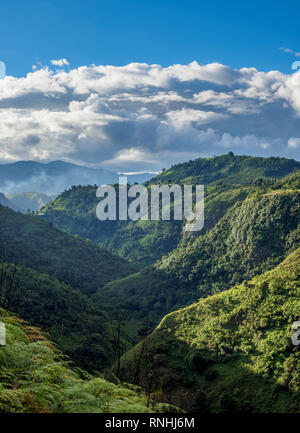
(197, 322)
(54, 177)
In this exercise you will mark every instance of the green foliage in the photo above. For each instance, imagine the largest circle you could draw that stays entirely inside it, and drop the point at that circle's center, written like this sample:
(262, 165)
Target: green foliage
(227, 179)
(252, 237)
(143, 241)
(213, 351)
(29, 241)
(232, 351)
(35, 377)
(74, 323)
(233, 169)
(55, 274)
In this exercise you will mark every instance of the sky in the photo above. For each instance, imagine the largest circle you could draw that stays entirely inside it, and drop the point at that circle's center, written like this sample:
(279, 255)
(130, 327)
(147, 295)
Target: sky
(140, 85)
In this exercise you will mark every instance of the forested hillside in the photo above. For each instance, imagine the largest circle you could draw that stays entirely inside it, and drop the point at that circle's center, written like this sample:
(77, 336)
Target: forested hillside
(95, 305)
(227, 179)
(46, 276)
(35, 377)
(233, 169)
(253, 237)
(27, 240)
(230, 352)
(72, 321)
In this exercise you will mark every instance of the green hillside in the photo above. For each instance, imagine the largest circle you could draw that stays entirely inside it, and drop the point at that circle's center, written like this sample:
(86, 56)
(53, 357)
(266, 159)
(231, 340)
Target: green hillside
(74, 323)
(144, 242)
(36, 378)
(54, 275)
(227, 179)
(27, 240)
(230, 352)
(233, 169)
(94, 305)
(253, 236)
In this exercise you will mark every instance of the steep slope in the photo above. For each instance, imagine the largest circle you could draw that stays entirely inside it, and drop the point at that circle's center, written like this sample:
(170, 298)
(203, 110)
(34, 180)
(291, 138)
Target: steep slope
(78, 327)
(227, 179)
(254, 236)
(143, 241)
(230, 352)
(35, 377)
(27, 240)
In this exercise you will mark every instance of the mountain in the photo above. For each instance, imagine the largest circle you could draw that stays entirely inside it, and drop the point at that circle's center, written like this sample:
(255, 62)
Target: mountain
(51, 178)
(28, 201)
(95, 305)
(230, 352)
(54, 177)
(32, 242)
(75, 324)
(54, 275)
(230, 168)
(138, 177)
(252, 237)
(144, 242)
(227, 179)
(36, 378)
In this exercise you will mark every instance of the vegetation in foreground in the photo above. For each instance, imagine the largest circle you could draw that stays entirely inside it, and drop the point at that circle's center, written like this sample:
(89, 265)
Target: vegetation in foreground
(95, 307)
(35, 377)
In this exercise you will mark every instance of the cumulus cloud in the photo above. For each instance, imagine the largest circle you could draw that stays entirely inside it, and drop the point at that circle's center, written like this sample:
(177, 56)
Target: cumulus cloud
(145, 117)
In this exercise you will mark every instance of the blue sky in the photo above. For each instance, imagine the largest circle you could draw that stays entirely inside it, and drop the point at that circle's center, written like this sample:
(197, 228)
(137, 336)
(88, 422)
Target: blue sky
(118, 32)
(140, 85)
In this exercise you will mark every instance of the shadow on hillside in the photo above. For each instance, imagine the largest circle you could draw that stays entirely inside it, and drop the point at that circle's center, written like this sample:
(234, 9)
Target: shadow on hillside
(175, 373)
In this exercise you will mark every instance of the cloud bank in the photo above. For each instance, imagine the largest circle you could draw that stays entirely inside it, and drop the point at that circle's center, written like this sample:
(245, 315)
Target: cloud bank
(145, 117)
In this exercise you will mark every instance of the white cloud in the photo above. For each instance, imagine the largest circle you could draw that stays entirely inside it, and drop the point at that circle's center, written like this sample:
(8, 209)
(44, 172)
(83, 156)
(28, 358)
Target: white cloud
(60, 62)
(294, 143)
(141, 116)
(289, 51)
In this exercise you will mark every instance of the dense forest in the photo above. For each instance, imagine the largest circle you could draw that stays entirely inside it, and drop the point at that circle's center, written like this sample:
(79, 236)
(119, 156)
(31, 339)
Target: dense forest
(227, 179)
(230, 352)
(100, 290)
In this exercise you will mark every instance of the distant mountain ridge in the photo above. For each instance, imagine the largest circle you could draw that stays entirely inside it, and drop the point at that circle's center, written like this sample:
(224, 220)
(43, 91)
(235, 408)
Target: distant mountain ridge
(54, 177)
